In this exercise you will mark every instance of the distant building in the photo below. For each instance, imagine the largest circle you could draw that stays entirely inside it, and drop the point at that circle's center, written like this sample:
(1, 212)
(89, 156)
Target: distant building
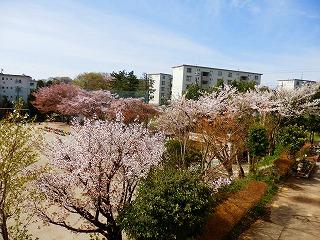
(15, 86)
(162, 86)
(291, 84)
(206, 77)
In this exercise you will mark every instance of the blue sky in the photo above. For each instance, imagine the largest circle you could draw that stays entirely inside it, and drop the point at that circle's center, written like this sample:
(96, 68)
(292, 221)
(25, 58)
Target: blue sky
(42, 38)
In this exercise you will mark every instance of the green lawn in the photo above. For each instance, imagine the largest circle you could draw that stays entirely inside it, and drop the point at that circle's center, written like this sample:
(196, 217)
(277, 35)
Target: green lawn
(317, 137)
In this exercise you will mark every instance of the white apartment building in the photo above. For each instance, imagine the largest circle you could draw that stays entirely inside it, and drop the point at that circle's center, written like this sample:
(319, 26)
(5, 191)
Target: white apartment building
(291, 84)
(206, 77)
(162, 86)
(16, 86)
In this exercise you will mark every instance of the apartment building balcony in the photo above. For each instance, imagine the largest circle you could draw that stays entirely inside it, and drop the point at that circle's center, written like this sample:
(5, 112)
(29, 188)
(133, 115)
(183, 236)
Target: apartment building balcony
(205, 79)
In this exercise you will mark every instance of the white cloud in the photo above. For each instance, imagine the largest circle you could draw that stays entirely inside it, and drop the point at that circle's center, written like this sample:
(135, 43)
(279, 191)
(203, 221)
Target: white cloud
(86, 40)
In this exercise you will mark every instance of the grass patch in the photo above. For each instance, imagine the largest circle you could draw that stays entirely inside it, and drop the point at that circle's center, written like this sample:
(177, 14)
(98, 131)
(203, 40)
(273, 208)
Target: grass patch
(317, 137)
(267, 161)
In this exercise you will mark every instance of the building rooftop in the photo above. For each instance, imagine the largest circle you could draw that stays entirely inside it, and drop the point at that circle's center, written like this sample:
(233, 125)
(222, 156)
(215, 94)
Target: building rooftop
(13, 75)
(223, 69)
(295, 79)
(159, 74)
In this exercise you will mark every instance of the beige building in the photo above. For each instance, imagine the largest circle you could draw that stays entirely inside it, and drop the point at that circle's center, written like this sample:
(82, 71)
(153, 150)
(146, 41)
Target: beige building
(15, 86)
(162, 83)
(206, 77)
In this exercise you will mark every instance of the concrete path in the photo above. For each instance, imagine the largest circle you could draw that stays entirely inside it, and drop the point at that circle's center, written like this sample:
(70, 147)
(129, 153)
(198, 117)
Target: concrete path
(295, 213)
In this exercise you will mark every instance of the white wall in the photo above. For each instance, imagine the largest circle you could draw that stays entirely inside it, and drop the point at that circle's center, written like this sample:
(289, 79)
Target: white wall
(162, 86)
(286, 85)
(178, 82)
(156, 86)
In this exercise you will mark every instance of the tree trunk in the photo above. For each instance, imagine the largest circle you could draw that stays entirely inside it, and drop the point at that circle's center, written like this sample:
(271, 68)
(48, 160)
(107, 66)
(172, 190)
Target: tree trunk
(252, 164)
(4, 228)
(241, 171)
(113, 232)
(227, 164)
(312, 138)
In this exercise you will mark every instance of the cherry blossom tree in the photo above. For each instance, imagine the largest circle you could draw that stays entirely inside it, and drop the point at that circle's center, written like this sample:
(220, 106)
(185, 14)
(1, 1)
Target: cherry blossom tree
(70, 100)
(88, 104)
(48, 99)
(94, 174)
(132, 109)
(299, 101)
(178, 120)
(221, 119)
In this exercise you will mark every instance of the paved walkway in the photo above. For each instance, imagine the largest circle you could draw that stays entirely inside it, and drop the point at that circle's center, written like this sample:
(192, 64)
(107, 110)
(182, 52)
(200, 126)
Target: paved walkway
(295, 213)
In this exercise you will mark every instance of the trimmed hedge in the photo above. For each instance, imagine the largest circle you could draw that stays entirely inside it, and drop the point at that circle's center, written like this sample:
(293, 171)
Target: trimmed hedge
(230, 212)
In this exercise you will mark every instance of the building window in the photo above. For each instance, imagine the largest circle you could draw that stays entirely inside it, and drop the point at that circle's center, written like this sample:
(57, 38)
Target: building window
(162, 88)
(31, 84)
(205, 74)
(163, 82)
(189, 78)
(163, 77)
(162, 95)
(20, 81)
(219, 73)
(230, 74)
(2, 78)
(189, 70)
(229, 82)
(256, 77)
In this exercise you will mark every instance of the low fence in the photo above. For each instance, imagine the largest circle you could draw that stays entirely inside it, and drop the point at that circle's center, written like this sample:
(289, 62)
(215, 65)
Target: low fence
(56, 131)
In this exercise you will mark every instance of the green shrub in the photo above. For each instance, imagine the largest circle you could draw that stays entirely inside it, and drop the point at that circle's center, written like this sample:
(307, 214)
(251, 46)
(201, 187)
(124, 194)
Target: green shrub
(257, 142)
(170, 204)
(292, 138)
(267, 160)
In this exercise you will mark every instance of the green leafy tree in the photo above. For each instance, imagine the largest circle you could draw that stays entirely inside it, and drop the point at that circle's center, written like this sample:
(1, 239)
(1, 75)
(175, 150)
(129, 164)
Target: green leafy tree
(220, 83)
(40, 84)
(291, 137)
(170, 204)
(17, 156)
(243, 86)
(148, 86)
(194, 92)
(125, 81)
(257, 144)
(93, 81)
